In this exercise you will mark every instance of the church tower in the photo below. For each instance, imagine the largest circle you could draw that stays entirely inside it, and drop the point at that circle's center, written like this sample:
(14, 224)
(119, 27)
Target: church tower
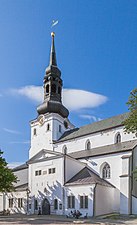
(53, 87)
(52, 120)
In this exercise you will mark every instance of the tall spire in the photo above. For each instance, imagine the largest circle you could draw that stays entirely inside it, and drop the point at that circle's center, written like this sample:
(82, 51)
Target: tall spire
(53, 87)
(53, 60)
(52, 69)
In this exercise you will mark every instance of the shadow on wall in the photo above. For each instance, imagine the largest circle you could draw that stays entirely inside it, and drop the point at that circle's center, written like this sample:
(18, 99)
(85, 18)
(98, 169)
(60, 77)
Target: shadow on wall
(49, 194)
(16, 208)
(57, 191)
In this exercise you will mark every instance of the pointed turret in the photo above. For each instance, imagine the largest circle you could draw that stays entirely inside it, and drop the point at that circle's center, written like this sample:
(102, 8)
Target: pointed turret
(53, 87)
(53, 60)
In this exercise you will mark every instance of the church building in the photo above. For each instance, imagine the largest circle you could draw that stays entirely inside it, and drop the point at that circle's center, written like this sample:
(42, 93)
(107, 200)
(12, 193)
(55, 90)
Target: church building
(89, 169)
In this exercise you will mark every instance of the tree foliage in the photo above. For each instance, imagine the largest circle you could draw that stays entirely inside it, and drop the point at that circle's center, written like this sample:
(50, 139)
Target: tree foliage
(135, 174)
(131, 122)
(7, 177)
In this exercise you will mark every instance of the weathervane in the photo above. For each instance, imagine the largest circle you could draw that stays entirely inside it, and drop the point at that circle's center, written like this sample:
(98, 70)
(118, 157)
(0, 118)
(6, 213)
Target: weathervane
(54, 23)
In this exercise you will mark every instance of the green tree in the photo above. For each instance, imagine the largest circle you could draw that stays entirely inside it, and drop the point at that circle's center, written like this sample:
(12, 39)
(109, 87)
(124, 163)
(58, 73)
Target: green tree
(131, 122)
(7, 177)
(135, 174)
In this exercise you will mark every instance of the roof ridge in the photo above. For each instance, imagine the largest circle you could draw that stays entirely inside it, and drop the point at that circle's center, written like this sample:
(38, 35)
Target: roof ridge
(94, 127)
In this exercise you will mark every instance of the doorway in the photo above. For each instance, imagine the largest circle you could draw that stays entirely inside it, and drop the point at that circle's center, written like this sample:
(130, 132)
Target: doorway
(46, 207)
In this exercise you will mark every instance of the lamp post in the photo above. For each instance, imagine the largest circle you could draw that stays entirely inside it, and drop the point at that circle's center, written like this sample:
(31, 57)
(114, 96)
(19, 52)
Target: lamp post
(28, 192)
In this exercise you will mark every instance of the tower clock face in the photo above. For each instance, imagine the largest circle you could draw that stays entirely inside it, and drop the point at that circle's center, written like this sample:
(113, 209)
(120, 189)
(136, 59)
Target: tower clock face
(41, 120)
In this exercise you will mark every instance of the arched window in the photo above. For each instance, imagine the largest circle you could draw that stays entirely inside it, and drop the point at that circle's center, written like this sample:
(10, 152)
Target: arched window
(53, 88)
(47, 89)
(34, 131)
(60, 128)
(106, 173)
(88, 145)
(64, 149)
(48, 127)
(118, 138)
(59, 90)
(55, 204)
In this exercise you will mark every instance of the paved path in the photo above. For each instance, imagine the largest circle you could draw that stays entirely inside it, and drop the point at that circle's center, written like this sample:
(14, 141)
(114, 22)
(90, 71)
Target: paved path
(33, 219)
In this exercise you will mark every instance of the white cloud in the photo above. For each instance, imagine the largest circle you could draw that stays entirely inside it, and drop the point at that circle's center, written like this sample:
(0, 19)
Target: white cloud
(11, 131)
(14, 164)
(73, 99)
(34, 93)
(90, 118)
(76, 99)
(20, 142)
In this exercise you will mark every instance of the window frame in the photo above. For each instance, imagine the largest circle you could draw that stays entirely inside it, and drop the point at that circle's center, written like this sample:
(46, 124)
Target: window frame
(60, 128)
(20, 203)
(118, 138)
(35, 204)
(11, 202)
(48, 127)
(106, 171)
(34, 131)
(83, 201)
(51, 170)
(71, 202)
(88, 145)
(55, 204)
(38, 172)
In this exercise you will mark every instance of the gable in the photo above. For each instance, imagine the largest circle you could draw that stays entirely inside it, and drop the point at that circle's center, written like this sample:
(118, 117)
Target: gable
(87, 176)
(44, 155)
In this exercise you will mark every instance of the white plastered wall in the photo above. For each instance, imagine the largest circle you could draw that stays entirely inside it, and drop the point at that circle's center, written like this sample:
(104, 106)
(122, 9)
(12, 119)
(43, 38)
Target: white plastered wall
(72, 167)
(134, 191)
(77, 191)
(104, 200)
(134, 205)
(15, 196)
(125, 188)
(97, 139)
(1, 202)
(115, 162)
(52, 182)
(44, 138)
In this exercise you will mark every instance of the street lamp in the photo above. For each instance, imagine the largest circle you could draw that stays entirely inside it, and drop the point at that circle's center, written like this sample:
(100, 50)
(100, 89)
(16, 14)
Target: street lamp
(28, 192)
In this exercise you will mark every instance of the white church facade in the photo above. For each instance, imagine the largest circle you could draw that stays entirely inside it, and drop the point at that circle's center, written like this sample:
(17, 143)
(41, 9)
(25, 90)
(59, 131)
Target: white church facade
(89, 169)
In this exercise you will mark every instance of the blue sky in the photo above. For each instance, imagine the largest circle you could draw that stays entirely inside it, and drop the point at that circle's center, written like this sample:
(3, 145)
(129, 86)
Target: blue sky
(96, 45)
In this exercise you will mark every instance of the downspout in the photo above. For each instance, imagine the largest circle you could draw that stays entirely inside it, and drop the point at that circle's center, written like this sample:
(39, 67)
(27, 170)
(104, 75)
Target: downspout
(64, 180)
(94, 201)
(4, 201)
(131, 183)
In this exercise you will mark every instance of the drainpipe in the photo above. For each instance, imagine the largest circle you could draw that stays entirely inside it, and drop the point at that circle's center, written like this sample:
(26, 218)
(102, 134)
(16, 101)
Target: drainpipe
(64, 180)
(131, 182)
(94, 200)
(4, 201)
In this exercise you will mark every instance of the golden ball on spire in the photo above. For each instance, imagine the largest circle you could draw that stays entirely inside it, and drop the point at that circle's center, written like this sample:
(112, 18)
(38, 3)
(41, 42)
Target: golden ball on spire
(52, 34)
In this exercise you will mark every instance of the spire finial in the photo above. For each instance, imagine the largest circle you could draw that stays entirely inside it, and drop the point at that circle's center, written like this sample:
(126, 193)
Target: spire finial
(53, 61)
(52, 34)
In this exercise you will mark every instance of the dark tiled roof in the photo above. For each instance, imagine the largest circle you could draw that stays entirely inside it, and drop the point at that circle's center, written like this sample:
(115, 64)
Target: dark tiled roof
(109, 123)
(103, 150)
(21, 187)
(87, 176)
(21, 167)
